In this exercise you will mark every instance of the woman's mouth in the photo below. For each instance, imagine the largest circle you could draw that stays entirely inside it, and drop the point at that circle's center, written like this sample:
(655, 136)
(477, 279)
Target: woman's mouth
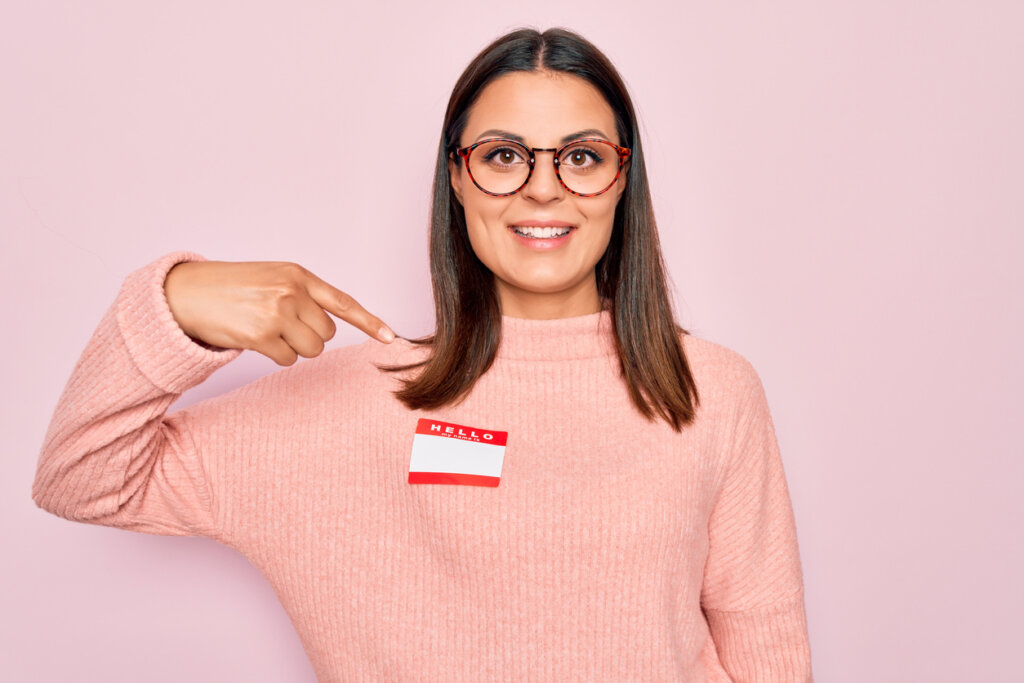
(538, 233)
(542, 237)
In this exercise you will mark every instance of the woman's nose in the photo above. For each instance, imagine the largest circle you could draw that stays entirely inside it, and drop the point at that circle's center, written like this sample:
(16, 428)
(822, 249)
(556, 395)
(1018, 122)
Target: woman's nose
(544, 185)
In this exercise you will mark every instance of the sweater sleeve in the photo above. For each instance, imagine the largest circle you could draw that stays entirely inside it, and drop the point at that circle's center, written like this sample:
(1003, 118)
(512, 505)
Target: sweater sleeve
(752, 593)
(110, 455)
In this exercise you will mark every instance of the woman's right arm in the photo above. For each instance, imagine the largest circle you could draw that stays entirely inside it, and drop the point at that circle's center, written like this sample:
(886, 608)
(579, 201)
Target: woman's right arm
(111, 456)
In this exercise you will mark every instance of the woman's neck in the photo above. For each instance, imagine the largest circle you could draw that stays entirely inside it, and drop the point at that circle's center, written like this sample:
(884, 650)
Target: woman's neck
(581, 299)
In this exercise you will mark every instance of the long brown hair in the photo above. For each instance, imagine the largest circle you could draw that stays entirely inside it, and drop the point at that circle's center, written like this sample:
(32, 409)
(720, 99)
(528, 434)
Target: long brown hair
(630, 274)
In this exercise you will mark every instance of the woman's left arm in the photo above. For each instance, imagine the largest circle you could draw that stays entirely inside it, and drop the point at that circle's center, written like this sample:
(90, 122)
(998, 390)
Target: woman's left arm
(752, 593)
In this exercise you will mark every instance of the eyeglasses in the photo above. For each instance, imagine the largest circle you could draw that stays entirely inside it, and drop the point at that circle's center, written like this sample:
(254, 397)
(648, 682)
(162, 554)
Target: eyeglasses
(586, 167)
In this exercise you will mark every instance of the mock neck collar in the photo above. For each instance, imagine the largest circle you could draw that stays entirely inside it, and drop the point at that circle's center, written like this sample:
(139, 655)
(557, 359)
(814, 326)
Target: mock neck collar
(584, 336)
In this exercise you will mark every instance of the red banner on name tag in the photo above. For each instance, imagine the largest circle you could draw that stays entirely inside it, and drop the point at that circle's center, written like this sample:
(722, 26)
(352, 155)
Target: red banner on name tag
(454, 431)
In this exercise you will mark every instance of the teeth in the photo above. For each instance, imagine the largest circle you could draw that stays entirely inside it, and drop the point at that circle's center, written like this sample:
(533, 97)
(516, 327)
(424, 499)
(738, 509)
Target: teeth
(540, 233)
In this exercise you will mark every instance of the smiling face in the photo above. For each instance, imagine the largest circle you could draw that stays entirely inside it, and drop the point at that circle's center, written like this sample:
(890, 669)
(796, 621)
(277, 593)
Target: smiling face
(538, 272)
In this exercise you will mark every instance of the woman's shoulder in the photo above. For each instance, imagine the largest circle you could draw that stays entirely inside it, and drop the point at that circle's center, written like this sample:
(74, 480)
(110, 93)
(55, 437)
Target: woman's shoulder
(364, 361)
(372, 353)
(718, 367)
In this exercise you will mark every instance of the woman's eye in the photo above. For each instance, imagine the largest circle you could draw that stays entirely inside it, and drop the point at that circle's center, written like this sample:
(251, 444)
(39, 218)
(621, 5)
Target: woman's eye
(503, 156)
(581, 157)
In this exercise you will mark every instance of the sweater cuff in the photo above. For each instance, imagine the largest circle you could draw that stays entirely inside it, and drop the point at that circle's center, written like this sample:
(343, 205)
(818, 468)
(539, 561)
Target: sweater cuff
(768, 644)
(159, 348)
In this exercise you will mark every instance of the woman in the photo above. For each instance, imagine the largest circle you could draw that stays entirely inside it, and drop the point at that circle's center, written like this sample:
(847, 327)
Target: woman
(559, 483)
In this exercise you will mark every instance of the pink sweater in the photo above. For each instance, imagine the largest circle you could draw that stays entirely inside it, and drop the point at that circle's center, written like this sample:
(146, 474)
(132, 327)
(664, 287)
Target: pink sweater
(611, 549)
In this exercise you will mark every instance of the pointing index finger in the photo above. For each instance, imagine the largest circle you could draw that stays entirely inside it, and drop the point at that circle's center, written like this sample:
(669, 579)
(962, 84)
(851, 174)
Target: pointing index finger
(343, 306)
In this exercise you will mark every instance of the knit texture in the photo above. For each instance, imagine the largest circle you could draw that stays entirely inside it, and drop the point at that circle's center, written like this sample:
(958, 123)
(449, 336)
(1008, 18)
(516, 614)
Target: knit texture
(613, 548)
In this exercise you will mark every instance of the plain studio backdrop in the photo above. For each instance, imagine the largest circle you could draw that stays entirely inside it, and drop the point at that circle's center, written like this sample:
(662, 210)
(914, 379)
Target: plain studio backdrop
(838, 188)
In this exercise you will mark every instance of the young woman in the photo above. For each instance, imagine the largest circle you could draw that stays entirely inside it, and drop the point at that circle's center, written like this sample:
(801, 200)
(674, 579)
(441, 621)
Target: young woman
(560, 483)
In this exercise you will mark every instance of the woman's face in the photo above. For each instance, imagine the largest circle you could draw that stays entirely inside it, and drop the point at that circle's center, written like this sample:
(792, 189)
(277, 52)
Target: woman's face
(538, 276)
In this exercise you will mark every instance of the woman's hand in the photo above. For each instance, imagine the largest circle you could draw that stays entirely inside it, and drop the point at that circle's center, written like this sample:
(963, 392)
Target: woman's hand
(277, 309)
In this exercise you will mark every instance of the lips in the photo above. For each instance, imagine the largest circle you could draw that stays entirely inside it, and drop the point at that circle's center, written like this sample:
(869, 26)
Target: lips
(538, 232)
(545, 237)
(542, 224)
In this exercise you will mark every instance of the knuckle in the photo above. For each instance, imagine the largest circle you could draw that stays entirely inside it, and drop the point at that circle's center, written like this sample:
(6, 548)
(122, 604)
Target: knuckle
(346, 304)
(287, 278)
(288, 288)
(290, 268)
(315, 349)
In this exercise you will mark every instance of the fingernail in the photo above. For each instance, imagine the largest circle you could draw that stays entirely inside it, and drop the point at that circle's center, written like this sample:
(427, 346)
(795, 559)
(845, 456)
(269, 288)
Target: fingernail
(386, 334)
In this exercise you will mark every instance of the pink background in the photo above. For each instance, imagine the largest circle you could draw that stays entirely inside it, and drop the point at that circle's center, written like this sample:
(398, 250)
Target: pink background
(839, 190)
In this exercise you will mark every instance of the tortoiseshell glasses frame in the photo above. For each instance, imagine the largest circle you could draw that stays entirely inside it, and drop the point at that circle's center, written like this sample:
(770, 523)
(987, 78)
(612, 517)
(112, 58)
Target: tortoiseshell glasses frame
(622, 152)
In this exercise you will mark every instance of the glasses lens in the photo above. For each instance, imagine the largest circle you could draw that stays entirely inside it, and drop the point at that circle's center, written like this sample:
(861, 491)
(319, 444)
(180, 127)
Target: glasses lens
(500, 166)
(589, 166)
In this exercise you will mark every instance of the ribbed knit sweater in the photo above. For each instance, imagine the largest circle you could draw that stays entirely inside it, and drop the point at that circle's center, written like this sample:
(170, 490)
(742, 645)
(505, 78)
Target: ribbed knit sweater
(613, 548)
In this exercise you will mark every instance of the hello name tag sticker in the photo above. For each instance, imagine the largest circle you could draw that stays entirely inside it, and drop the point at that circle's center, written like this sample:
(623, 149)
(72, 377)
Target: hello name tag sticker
(446, 453)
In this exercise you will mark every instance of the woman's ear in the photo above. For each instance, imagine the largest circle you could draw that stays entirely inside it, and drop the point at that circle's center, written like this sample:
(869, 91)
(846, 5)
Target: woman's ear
(455, 175)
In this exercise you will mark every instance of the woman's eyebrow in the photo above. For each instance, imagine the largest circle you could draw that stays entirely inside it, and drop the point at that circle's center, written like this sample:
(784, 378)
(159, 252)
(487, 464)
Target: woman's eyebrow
(495, 133)
(587, 133)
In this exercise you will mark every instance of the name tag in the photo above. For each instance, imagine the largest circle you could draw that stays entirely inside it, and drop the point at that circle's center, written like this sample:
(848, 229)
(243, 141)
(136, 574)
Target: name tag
(446, 453)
